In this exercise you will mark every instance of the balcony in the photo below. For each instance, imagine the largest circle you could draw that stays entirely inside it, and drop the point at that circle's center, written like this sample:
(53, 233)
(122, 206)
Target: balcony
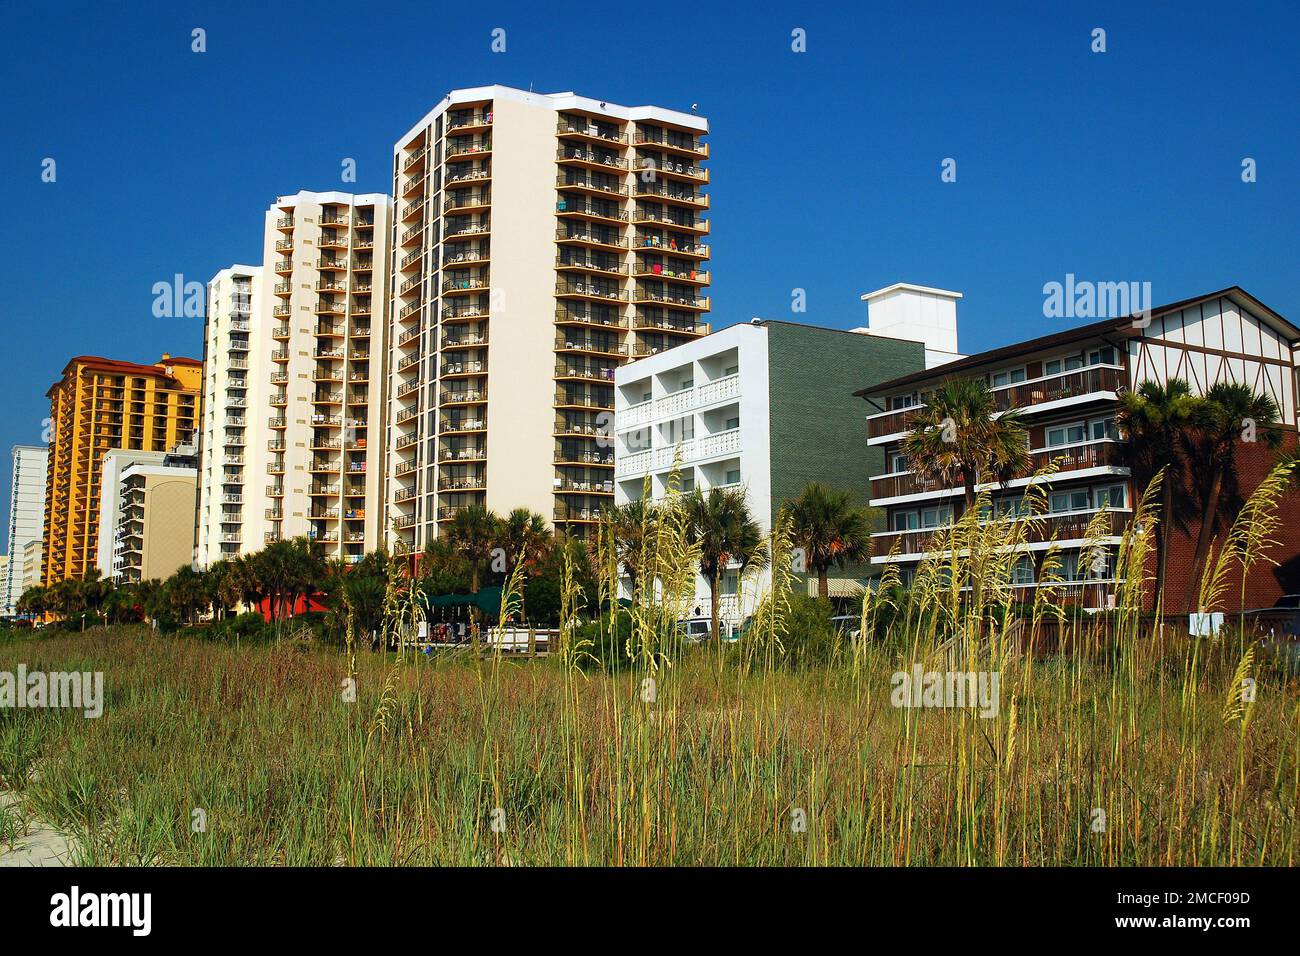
(590, 183)
(472, 200)
(1062, 526)
(1103, 453)
(462, 426)
(657, 217)
(692, 449)
(464, 256)
(609, 347)
(672, 300)
(453, 455)
(566, 515)
(472, 284)
(467, 147)
(609, 212)
(584, 372)
(590, 291)
(672, 193)
(672, 271)
(598, 318)
(572, 154)
(413, 159)
(1101, 382)
(576, 456)
(608, 264)
(597, 133)
(578, 398)
(463, 341)
(670, 140)
(588, 236)
(654, 323)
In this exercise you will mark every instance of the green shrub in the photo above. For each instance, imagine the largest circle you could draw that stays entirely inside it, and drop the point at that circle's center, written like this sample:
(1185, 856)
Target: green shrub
(810, 637)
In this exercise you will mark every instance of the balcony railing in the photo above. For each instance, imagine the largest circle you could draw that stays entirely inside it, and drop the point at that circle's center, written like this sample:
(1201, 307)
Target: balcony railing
(1065, 526)
(692, 449)
(1038, 391)
(1094, 454)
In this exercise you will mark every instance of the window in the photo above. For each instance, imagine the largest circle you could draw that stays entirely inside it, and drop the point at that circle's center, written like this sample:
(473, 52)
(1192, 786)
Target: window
(1067, 364)
(906, 520)
(935, 517)
(688, 482)
(730, 584)
(1008, 377)
(733, 423)
(731, 370)
(733, 476)
(1075, 500)
(1102, 356)
(1103, 428)
(1111, 496)
(687, 383)
(902, 401)
(1023, 570)
(1066, 435)
(897, 461)
(1095, 564)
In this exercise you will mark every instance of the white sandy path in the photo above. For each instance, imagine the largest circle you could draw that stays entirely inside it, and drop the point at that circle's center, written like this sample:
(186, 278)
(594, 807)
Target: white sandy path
(42, 845)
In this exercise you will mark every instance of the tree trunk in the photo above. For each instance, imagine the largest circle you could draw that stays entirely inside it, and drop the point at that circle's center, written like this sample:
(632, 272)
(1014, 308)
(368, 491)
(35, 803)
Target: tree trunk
(1162, 540)
(823, 584)
(1203, 538)
(715, 584)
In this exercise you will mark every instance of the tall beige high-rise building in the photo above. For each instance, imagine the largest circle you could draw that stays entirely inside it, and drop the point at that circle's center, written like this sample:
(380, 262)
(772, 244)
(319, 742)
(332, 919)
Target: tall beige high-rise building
(539, 241)
(313, 385)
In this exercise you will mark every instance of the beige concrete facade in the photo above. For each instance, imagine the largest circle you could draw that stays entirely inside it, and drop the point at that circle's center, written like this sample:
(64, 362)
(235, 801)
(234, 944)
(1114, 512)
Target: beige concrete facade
(307, 371)
(540, 240)
(156, 520)
(326, 395)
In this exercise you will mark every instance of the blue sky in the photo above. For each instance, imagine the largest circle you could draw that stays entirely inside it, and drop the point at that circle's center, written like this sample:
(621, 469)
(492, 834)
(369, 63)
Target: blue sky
(1115, 166)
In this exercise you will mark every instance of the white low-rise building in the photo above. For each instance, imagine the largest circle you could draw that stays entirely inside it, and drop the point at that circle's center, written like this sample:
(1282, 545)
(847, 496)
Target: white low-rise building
(767, 406)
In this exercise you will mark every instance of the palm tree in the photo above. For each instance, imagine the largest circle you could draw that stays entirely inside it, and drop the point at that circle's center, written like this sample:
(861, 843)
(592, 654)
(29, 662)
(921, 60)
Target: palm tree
(629, 525)
(474, 533)
(720, 523)
(959, 437)
(829, 530)
(95, 591)
(1157, 420)
(185, 593)
(66, 598)
(243, 578)
(1220, 419)
(527, 539)
(34, 602)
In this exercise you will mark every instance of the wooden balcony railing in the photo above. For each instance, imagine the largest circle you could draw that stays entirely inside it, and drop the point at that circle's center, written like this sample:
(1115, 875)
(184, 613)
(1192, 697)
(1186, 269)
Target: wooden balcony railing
(1060, 527)
(1093, 454)
(1084, 381)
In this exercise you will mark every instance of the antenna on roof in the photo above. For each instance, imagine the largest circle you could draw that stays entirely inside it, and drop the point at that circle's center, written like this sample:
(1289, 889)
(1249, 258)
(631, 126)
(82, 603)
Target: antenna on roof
(695, 107)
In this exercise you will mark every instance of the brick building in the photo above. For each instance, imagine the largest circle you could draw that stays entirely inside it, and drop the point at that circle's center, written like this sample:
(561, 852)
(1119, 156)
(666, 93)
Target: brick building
(1067, 386)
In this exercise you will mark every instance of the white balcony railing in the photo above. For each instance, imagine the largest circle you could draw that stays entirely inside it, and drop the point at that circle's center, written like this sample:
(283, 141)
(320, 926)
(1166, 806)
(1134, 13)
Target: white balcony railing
(692, 450)
(676, 403)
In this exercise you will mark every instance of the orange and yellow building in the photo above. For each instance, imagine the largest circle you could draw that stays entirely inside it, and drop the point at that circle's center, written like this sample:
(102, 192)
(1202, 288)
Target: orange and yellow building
(99, 404)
